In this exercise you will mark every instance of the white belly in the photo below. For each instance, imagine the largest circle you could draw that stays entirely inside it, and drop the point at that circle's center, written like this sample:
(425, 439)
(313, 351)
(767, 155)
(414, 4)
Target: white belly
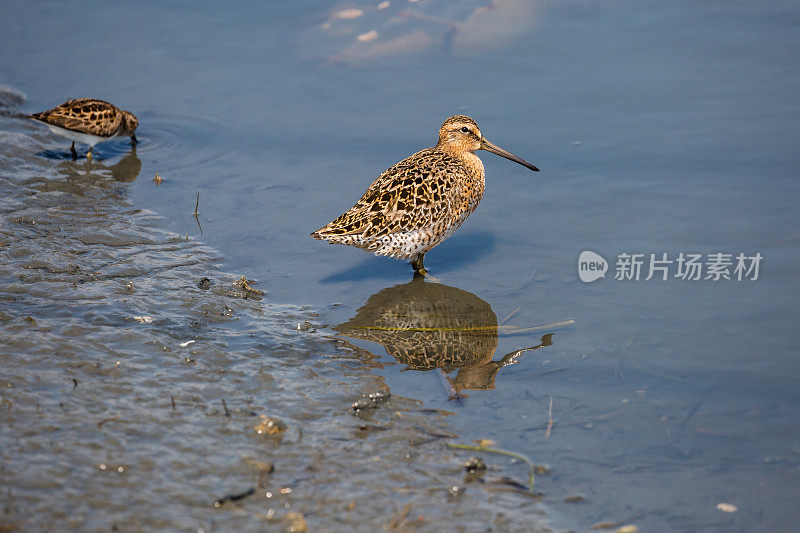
(409, 244)
(85, 138)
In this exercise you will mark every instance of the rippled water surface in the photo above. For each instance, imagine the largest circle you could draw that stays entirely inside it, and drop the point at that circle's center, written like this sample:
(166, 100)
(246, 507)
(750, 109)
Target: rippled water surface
(133, 394)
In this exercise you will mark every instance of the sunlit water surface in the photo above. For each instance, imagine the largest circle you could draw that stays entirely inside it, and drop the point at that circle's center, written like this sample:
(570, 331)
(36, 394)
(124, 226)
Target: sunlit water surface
(658, 129)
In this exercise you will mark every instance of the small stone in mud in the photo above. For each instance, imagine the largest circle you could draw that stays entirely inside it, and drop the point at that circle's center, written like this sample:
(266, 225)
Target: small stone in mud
(269, 426)
(266, 468)
(371, 400)
(204, 284)
(295, 523)
(264, 471)
(474, 465)
(455, 491)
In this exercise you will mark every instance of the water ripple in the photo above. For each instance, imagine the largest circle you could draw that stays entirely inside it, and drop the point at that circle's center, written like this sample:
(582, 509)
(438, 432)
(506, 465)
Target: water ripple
(178, 139)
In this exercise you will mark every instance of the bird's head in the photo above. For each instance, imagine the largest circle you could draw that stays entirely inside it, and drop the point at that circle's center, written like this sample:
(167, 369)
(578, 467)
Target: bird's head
(129, 124)
(461, 134)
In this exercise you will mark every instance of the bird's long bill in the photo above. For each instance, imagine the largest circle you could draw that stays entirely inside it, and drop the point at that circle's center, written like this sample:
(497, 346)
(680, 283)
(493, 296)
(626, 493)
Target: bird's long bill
(489, 147)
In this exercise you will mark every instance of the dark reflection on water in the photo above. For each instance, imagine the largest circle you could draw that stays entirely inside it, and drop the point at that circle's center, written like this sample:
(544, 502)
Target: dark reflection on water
(106, 150)
(127, 169)
(74, 175)
(429, 326)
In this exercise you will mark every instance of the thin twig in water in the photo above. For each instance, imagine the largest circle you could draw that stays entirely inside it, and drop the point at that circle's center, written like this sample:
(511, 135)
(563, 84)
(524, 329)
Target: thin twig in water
(227, 413)
(512, 313)
(447, 383)
(516, 455)
(515, 329)
(399, 518)
(196, 219)
(692, 412)
(234, 497)
(100, 424)
(549, 419)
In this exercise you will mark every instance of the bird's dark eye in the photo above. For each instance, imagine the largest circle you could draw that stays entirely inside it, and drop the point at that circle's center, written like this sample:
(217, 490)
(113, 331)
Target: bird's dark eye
(465, 129)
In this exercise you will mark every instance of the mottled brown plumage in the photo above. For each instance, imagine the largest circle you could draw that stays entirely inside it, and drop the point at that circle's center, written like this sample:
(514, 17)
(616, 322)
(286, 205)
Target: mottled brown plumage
(89, 121)
(422, 200)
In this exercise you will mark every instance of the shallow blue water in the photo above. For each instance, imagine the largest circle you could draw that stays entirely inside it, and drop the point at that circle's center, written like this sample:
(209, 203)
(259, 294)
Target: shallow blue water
(658, 129)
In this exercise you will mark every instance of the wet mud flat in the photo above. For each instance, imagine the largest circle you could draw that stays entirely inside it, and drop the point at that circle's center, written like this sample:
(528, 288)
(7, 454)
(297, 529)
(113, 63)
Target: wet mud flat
(144, 388)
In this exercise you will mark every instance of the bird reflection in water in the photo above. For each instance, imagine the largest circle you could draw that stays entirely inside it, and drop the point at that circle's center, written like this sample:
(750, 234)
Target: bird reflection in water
(78, 177)
(125, 170)
(429, 326)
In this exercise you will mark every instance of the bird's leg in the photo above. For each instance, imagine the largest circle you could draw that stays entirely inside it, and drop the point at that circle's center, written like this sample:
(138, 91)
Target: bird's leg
(416, 264)
(73, 151)
(134, 140)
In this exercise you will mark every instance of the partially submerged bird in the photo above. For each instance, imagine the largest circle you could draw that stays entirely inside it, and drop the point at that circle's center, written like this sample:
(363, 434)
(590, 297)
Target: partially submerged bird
(88, 121)
(422, 200)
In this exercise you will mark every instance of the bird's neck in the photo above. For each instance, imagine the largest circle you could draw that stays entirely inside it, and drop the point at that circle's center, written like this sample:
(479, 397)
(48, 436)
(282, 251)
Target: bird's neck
(473, 162)
(468, 158)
